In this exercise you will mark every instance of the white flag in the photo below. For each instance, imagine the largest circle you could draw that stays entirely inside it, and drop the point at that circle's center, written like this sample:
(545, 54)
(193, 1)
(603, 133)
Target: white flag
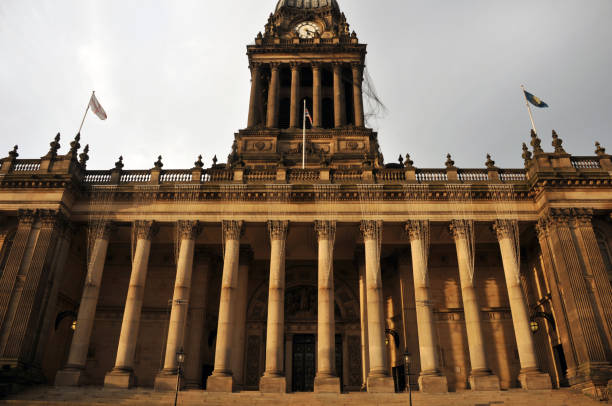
(94, 105)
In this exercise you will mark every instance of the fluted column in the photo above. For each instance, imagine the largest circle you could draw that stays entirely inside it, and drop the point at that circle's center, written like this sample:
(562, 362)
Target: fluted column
(378, 376)
(255, 100)
(316, 96)
(430, 379)
(339, 109)
(122, 375)
(72, 373)
(188, 232)
(294, 118)
(240, 312)
(357, 93)
(222, 379)
(197, 317)
(481, 377)
(326, 379)
(272, 119)
(363, 313)
(274, 380)
(530, 376)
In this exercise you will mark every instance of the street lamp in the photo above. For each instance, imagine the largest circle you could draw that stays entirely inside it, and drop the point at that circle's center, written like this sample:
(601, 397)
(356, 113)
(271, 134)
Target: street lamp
(407, 361)
(534, 326)
(180, 358)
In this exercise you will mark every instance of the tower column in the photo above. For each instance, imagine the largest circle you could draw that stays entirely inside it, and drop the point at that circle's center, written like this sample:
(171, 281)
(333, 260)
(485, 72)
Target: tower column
(246, 255)
(255, 100)
(378, 375)
(481, 377)
(72, 373)
(188, 232)
(363, 312)
(430, 379)
(358, 94)
(273, 380)
(326, 379)
(294, 119)
(222, 380)
(272, 119)
(339, 110)
(530, 376)
(316, 95)
(122, 375)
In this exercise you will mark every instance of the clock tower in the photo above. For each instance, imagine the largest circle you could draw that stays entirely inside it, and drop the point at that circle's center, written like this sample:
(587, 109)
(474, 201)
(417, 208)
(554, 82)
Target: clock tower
(306, 56)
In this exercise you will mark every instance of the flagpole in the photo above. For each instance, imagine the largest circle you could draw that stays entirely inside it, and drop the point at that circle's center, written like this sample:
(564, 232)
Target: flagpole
(304, 137)
(529, 110)
(86, 110)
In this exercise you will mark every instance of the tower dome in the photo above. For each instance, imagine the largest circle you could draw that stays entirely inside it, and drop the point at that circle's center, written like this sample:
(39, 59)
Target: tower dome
(307, 4)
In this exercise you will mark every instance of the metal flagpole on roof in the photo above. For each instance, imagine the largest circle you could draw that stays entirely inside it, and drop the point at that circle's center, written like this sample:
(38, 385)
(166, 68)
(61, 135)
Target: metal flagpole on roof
(86, 110)
(304, 137)
(529, 110)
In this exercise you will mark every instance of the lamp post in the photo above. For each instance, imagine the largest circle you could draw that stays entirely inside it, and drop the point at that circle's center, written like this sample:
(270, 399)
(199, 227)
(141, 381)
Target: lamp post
(180, 358)
(407, 359)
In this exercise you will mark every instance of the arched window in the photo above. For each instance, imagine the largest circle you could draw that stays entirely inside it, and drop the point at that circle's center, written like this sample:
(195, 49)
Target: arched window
(327, 113)
(284, 113)
(604, 247)
(6, 249)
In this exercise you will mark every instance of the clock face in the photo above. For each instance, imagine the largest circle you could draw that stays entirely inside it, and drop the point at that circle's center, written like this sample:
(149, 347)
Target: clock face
(307, 29)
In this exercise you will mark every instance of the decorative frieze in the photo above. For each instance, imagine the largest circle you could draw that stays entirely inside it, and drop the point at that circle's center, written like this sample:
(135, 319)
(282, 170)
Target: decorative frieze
(278, 229)
(232, 229)
(326, 230)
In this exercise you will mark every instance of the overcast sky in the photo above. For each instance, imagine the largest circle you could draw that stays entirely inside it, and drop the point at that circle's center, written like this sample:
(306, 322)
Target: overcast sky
(173, 75)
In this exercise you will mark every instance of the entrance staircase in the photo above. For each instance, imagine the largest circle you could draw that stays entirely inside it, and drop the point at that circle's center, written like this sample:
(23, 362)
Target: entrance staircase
(87, 396)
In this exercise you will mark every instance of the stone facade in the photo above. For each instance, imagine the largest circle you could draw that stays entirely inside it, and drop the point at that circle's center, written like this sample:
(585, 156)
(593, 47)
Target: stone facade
(310, 267)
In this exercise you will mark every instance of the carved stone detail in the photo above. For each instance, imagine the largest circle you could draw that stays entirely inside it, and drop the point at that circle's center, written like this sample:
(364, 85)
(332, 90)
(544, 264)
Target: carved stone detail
(145, 229)
(26, 216)
(188, 230)
(278, 229)
(504, 229)
(371, 229)
(326, 230)
(417, 229)
(102, 231)
(460, 228)
(232, 229)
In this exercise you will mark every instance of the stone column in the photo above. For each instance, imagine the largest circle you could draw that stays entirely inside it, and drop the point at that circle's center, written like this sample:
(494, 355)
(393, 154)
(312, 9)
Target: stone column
(222, 380)
(481, 377)
(246, 256)
(274, 380)
(72, 374)
(255, 100)
(188, 232)
(378, 376)
(363, 313)
(294, 118)
(326, 379)
(530, 376)
(430, 379)
(317, 121)
(357, 93)
(197, 317)
(272, 119)
(339, 110)
(122, 375)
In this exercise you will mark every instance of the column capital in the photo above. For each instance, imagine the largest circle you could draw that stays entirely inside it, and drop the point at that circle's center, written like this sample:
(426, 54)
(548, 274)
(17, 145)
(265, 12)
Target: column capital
(188, 229)
(232, 229)
(461, 229)
(278, 229)
(295, 65)
(102, 230)
(26, 216)
(357, 66)
(371, 229)
(504, 228)
(337, 66)
(145, 229)
(255, 66)
(417, 229)
(316, 65)
(326, 230)
(274, 65)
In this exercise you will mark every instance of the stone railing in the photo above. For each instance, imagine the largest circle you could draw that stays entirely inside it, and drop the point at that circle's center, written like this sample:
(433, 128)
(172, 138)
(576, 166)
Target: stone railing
(346, 175)
(97, 177)
(473, 175)
(176, 175)
(135, 176)
(391, 175)
(303, 175)
(580, 162)
(254, 175)
(431, 175)
(26, 165)
(217, 175)
(512, 175)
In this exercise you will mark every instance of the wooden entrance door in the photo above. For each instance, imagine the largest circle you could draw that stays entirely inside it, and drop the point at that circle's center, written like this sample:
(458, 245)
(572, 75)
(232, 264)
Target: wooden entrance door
(303, 371)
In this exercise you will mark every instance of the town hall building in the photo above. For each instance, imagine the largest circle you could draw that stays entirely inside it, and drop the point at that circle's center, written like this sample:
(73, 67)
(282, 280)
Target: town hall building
(310, 266)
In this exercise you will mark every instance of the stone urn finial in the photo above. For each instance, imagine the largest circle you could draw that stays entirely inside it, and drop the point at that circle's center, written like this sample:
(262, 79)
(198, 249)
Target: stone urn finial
(557, 143)
(119, 164)
(599, 150)
(199, 164)
(449, 161)
(84, 157)
(158, 164)
(490, 163)
(526, 154)
(536, 143)
(13, 154)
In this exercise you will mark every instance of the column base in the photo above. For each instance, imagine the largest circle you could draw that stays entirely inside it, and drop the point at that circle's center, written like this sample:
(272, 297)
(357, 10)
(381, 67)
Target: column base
(120, 379)
(69, 377)
(329, 384)
(380, 384)
(488, 382)
(433, 384)
(166, 382)
(220, 384)
(534, 380)
(592, 379)
(273, 384)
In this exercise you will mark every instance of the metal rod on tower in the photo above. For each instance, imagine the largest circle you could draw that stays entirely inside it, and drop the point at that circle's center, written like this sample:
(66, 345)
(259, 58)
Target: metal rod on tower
(304, 136)
(529, 110)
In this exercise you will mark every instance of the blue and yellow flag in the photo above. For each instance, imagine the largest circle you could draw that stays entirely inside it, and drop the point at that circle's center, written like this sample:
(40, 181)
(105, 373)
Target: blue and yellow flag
(536, 101)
